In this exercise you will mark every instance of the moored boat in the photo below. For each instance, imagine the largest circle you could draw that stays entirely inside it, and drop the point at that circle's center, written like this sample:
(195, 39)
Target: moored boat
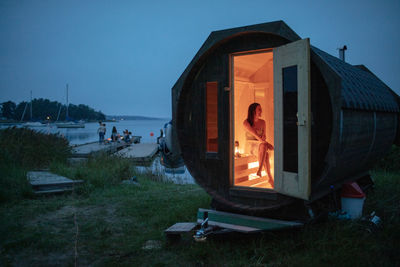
(70, 124)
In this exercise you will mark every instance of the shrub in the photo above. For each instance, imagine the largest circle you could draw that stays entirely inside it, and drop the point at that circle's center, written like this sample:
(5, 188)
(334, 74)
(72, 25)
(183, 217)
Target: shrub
(31, 149)
(21, 150)
(98, 172)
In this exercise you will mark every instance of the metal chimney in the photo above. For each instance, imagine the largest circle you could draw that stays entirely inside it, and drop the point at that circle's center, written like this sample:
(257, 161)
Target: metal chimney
(342, 52)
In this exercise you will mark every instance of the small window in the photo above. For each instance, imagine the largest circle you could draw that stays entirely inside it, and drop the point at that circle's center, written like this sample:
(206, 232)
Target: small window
(212, 116)
(290, 135)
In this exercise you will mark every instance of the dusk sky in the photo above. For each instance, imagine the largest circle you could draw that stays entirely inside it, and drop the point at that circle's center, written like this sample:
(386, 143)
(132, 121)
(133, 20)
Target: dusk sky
(123, 57)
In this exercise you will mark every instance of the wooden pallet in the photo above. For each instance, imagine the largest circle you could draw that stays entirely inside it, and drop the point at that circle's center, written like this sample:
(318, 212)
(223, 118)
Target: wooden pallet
(44, 182)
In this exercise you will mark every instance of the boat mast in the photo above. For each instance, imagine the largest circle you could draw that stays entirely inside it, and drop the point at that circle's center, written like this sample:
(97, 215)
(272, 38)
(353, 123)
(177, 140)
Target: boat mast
(59, 110)
(66, 117)
(26, 105)
(31, 105)
(23, 113)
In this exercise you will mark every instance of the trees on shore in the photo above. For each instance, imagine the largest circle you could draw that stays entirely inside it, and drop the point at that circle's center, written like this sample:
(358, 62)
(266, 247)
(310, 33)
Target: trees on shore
(44, 109)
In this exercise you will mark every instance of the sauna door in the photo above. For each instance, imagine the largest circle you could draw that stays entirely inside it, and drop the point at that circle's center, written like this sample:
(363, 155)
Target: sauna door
(292, 124)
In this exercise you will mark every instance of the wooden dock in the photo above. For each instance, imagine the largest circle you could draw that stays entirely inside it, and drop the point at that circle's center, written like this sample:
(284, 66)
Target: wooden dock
(44, 182)
(139, 153)
(89, 149)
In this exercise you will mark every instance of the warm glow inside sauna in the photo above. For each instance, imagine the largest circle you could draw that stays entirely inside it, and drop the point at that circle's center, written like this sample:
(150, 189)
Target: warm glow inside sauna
(252, 82)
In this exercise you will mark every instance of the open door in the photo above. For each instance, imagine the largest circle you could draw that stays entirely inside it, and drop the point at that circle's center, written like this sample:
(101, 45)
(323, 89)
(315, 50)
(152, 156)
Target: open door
(292, 123)
(252, 84)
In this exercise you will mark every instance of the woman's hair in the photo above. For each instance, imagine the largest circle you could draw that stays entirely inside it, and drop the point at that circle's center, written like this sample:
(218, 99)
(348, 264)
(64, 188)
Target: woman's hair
(251, 112)
(114, 129)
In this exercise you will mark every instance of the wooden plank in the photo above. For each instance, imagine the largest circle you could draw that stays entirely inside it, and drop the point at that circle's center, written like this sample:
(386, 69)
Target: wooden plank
(44, 182)
(245, 160)
(54, 191)
(85, 150)
(138, 151)
(180, 228)
(37, 178)
(253, 181)
(243, 223)
(245, 172)
(241, 180)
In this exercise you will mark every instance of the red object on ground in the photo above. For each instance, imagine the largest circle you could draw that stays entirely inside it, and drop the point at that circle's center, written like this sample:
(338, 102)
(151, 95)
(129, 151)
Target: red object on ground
(151, 134)
(352, 190)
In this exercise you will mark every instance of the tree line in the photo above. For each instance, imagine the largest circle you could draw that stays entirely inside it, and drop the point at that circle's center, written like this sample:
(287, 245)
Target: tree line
(46, 110)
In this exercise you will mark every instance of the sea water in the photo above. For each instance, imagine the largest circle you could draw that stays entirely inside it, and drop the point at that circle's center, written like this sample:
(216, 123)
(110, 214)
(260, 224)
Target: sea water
(149, 130)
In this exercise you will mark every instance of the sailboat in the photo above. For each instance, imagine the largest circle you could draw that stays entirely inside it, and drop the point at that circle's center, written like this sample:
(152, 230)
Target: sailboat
(69, 124)
(30, 123)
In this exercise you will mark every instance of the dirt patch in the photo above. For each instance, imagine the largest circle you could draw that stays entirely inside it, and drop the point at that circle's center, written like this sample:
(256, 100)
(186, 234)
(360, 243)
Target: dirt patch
(62, 225)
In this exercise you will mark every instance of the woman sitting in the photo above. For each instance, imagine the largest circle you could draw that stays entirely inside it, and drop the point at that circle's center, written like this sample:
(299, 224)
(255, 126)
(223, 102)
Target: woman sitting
(255, 130)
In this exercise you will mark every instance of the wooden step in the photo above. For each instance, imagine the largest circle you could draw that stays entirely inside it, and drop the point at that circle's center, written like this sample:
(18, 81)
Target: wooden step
(241, 167)
(54, 191)
(180, 228)
(245, 160)
(239, 180)
(44, 182)
(51, 186)
(245, 172)
(249, 183)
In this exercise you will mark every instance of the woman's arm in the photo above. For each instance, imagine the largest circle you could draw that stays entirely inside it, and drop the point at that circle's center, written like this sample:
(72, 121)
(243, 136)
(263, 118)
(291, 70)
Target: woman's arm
(251, 130)
(269, 146)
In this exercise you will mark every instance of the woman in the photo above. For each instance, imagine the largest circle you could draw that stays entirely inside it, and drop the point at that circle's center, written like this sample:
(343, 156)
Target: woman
(255, 130)
(114, 134)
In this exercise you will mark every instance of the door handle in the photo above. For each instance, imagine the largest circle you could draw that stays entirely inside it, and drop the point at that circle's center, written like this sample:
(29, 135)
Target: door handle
(301, 121)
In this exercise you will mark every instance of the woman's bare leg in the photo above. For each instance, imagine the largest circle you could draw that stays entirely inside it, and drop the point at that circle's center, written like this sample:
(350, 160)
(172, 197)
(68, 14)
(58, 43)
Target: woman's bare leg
(268, 168)
(262, 149)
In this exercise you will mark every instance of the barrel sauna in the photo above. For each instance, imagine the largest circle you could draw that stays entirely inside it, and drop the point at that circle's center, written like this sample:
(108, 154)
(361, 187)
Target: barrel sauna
(328, 121)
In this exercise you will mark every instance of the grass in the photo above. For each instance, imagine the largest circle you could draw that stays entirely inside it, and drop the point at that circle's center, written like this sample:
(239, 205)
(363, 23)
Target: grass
(23, 149)
(105, 223)
(31, 149)
(114, 222)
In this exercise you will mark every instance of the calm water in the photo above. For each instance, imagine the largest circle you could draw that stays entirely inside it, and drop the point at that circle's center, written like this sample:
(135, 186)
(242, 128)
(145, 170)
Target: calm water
(89, 133)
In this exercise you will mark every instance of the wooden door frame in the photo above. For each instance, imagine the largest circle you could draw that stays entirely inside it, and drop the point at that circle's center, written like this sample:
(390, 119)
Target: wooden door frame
(293, 54)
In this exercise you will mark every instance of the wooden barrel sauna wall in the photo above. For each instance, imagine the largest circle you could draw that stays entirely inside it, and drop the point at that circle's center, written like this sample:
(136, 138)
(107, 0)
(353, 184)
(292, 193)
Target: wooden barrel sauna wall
(353, 119)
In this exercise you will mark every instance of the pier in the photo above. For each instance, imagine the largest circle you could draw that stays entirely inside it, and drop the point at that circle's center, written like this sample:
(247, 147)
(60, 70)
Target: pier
(90, 149)
(139, 153)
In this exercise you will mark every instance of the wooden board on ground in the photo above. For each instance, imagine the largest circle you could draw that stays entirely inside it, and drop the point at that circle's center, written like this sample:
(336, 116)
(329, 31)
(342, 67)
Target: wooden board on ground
(46, 182)
(180, 228)
(139, 153)
(242, 223)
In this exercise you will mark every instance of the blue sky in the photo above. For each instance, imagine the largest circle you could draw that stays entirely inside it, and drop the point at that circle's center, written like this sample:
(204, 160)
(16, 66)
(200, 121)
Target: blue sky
(123, 57)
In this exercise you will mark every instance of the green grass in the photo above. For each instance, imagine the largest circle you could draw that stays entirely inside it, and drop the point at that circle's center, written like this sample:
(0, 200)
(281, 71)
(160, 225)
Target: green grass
(116, 220)
(107, 223)
(31, 149)
(21, 150)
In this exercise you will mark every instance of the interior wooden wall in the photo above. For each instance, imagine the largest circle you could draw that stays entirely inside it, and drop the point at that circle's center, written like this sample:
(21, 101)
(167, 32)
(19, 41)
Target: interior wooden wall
(253, 82)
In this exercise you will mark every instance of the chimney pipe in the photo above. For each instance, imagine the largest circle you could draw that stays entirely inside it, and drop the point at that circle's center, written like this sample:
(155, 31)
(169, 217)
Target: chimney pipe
(342, 53)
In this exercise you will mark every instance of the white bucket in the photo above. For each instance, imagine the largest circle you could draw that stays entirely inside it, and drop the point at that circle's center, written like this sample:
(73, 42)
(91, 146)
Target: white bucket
(353, 206)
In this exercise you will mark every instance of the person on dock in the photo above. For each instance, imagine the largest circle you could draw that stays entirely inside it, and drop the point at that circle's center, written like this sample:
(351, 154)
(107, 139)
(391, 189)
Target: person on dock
(127, 136)
(101, 131)
(114, 134)
(161, 136)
